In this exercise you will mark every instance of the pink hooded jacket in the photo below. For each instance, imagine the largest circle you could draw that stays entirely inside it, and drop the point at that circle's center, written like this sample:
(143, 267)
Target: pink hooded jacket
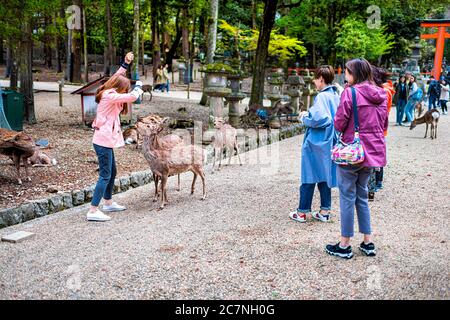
(108, 132)
(373, 121)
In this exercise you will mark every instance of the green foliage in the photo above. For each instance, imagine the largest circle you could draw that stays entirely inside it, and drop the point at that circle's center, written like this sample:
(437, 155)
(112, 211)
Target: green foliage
(217, 67)
(281, 47)
(355, 39)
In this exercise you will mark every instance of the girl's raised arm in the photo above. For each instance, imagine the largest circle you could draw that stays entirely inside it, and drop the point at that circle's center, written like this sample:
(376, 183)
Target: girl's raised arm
(124, 66)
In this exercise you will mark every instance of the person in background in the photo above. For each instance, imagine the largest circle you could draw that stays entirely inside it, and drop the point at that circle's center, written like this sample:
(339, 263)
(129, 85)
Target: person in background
(316, 165)
(401, 97)
(159, 81)
(371, 103)
(444, 96)
(380, 77)
(433, 92)
(412, 99)
(166, 76)
(112, 99)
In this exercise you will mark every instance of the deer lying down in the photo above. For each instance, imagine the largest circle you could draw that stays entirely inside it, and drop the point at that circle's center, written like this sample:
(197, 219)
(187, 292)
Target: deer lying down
(430, 117)
(40, 159)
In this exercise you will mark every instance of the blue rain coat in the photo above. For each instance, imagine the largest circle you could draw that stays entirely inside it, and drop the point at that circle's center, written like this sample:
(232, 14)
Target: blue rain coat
(320, 136)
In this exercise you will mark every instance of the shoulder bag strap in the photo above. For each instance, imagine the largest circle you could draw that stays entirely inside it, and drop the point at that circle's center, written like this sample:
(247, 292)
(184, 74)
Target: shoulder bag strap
(355, 110)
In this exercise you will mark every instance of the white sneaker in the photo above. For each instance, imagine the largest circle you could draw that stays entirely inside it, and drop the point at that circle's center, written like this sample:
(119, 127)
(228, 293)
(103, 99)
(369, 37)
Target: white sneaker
(113, 207)
(97, 216)
(321, 217)
(297, 216)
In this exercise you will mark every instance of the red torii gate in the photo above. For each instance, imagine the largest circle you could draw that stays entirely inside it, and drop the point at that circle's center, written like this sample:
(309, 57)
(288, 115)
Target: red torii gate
(440, 36)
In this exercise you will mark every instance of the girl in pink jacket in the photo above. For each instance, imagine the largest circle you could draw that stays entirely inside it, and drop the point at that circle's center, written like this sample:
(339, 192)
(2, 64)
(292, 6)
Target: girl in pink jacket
(371, 102)
(112, 99)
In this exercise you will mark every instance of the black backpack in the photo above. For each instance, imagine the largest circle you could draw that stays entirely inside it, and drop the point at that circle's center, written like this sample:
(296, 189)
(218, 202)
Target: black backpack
(435, 88)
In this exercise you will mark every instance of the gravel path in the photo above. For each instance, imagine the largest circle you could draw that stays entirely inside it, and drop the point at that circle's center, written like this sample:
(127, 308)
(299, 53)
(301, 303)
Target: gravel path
(239, 243)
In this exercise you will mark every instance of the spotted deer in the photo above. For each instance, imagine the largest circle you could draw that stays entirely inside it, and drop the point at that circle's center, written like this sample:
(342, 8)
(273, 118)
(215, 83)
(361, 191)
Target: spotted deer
(430, 117)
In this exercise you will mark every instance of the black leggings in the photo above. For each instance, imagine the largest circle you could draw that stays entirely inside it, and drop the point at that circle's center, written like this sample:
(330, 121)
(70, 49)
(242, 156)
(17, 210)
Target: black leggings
(444, 105)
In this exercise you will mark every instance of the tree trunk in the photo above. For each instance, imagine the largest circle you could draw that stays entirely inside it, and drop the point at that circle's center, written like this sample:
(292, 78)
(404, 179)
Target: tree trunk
(192, 50)
(59, 48)
(254, 26)
(12, 68)
(156, 54)
(212, 31)
(2, 60)
(135, 68)
(211, 41)
(76, 49)
(85, 54)
(176, 42)
(26, 70)
(47, 44)
(185, 34)
(109, 61)
(270, 9)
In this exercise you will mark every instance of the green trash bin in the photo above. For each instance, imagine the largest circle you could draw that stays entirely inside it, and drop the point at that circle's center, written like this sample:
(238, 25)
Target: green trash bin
(14, 109)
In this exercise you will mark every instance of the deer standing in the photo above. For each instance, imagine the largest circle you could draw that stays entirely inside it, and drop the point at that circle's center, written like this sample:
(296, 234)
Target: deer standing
(225, 137)
(430, 117)
(167, 160)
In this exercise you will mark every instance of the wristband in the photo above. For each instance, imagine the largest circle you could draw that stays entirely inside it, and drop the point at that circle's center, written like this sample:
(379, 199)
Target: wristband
(124, 65)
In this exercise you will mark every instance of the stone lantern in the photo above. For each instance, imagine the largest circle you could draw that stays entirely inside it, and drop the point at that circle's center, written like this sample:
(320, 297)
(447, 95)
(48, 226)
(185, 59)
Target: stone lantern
(234, 98)
(216, 89)
(309, 92)
(275, 94)
(181, 70)
(295, 85)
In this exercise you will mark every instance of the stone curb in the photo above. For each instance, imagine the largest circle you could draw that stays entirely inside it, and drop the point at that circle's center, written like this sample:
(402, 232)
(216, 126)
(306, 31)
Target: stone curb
(64, 200)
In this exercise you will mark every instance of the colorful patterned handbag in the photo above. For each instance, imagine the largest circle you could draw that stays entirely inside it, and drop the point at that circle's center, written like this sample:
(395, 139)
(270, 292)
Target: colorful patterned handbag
(352, 153)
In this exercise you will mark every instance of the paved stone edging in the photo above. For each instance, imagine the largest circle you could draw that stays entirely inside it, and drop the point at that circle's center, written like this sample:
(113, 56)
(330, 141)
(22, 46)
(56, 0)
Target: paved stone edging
(38, 208)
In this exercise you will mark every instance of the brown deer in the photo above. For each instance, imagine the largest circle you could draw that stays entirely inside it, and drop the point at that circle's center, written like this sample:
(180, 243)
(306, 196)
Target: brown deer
(165, 161)
(430, 117)
(225, 137)
(41, 159)
(168, 142)
(19, 146)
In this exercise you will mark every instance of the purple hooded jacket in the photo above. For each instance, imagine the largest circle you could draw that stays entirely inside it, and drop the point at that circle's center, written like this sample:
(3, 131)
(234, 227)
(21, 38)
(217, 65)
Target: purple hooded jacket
(373, 121)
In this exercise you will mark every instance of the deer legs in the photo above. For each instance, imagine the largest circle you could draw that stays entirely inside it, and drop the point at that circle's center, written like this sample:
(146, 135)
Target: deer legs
(426, 131)
(17, 160)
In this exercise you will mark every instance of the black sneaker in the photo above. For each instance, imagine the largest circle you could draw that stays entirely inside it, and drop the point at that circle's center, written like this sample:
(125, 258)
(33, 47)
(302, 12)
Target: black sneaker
(368, 249)
(336, 250)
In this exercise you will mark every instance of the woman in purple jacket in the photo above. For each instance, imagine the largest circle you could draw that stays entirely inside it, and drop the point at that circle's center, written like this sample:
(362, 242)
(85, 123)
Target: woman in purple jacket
(352, 179)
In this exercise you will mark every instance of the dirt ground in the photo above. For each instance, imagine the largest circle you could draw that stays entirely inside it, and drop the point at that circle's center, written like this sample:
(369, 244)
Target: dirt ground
(71, 145)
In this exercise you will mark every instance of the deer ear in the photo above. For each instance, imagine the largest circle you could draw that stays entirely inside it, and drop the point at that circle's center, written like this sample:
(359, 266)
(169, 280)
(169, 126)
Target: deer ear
(165, 120)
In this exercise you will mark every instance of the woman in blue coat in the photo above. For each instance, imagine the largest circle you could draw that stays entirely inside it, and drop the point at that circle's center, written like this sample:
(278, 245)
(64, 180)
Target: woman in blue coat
(320, 136)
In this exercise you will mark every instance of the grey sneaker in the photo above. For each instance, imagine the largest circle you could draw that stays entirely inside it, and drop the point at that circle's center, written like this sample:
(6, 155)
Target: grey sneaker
(114, 207)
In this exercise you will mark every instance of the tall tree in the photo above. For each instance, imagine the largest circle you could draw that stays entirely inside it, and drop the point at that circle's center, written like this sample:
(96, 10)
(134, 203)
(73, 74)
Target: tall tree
(185, 33)
(26, 69)
(77, 48)
(257, 94)
(155, 36)
(176, 41)
(109, 56)
(212, 38)
(212, 31)
(1, 49)
(136, 23)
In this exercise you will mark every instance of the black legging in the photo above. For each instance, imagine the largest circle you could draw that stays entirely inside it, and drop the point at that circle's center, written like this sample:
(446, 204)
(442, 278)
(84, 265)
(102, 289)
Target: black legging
(444, 105)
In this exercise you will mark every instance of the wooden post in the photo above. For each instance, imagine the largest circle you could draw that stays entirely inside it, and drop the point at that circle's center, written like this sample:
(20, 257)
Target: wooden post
(61, 85)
